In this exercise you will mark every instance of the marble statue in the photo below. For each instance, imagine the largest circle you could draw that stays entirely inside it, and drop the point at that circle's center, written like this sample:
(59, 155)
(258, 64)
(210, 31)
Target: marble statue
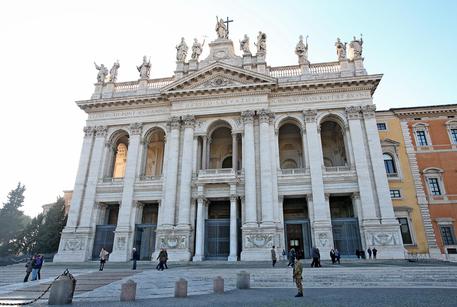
(356, 47)
(340, 49)
(261, 43)
(197, 49)
(302, 50)
(221, 28)
(144, 68)
(181, 51)
(113, 72)
(102, 73)
(244, 45)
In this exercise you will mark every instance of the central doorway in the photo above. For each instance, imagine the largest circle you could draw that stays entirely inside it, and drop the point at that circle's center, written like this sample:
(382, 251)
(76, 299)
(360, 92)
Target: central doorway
(217, 230)
(145, 233)
(297, 228)
(345, 225)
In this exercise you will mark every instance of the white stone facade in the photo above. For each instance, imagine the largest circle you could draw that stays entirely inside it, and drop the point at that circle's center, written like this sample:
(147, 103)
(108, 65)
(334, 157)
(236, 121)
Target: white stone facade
(232, 108)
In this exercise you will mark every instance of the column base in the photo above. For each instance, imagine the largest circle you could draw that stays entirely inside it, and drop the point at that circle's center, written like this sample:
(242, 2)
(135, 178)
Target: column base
(197, 258)
(122, 246)
(259, 254)
(232, 258)
(323, 238)
(175, 241)
(386, 239)
(75, 246)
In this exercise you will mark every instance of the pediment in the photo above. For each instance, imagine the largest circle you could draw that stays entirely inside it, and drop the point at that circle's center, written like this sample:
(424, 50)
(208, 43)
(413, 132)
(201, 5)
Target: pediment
(219, 76)
(389, 142)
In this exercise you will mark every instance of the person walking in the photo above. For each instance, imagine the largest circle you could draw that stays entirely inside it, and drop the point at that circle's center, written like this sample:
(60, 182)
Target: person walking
(162, 259)
(28, 268)
(135, 257)
(284, 254)
(35, 267)
(103, 256)
(357, 253)
(273, 256)
(369, 252)
(337, 255)
(316, 255)
(292, 256)
(375, 252)
(297, 275)
(166, 258)
(332, 255)
(39, 263)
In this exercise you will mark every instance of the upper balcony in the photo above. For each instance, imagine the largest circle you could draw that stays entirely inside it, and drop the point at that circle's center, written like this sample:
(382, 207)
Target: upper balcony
(217, 175)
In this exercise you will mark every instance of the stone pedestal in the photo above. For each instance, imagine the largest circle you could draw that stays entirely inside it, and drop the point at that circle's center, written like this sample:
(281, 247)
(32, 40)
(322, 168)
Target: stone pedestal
(181, 288)
(243, 280)
(128, 291)
(175, 241)
(218, 285)
(62, 291)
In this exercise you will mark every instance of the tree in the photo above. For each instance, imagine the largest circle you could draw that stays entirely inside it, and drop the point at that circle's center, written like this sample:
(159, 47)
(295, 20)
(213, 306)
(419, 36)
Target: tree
(12, 220)
(48, 236)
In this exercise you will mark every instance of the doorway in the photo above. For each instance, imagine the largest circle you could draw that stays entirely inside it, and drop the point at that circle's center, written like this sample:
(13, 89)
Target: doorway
(217, 230)
(297, 227)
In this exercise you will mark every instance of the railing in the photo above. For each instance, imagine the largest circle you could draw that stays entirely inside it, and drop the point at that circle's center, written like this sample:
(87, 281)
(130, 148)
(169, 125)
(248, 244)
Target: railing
(112, 179)
(216, 171)
(285, 71)
(292, 171)
(150, 178)
(335, 169)
(158, 83)
(130, 86)
(324, 68)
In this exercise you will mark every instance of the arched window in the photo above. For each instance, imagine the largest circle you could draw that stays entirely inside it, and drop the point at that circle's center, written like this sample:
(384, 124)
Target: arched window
(227, 163)
(220, 146)
(290, 146)
(389, 164)
(154, 153)
(120, 161)
(333, 144)
(289, 163)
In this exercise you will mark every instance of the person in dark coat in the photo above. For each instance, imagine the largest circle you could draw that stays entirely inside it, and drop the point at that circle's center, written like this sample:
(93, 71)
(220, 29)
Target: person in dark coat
(332, 255)
(316, 256)
(273, 256)
(357, 253)
(369, 253)
(292, 256)
(162, 257)
(39, 263)
(35, 267)
(28, 267)
(166, 259)
(375, 251)
(337, 255)
(135, 257)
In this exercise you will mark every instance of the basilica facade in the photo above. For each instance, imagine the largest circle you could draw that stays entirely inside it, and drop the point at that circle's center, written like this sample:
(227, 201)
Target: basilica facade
(230, 157)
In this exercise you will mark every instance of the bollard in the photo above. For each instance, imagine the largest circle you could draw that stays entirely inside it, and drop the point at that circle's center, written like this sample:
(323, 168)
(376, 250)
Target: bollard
(181, 288)
(128, 291)
(62, 290)
(218, 285)
(243, 280)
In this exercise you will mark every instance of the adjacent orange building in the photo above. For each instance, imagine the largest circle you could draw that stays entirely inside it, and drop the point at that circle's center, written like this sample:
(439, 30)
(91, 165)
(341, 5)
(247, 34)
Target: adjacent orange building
(431, 141)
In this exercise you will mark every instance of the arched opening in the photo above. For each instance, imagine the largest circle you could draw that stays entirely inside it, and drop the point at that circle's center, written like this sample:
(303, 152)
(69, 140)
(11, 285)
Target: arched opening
(119, 155)
(220, 147)
(333, 144)
(290, 146)
(227, 163)
(155, 147)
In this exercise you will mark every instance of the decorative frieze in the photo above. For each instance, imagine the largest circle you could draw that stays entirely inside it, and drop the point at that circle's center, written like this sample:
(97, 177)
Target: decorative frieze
(173, 241)
(136, 128)
(247, 117)
(89, 131)
(310, 115)
(258, 240)
(101, 131)
(383, 238)
(121, 243)
(353, 112)
(323, 239)
(73, 244)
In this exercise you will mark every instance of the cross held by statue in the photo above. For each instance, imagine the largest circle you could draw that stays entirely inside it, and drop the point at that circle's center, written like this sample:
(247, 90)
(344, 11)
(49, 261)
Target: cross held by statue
(227, 23)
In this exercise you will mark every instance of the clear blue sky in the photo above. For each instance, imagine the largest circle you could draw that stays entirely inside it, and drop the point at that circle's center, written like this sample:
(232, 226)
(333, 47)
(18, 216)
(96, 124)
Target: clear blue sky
(48, 49)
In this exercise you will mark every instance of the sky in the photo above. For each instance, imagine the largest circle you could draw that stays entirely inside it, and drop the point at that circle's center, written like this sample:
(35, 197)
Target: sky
(47, 50)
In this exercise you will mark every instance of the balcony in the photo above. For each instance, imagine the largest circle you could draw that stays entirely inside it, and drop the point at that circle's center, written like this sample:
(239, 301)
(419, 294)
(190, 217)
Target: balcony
(337, 169)
(113, 180)
(216, 175)
(291, 171)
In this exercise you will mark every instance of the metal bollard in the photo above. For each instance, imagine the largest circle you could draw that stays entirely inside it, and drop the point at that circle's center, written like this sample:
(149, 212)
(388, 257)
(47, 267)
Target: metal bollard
(128, 291)
(218, 285)
(181, 288)
(243, 280)
(62, 289)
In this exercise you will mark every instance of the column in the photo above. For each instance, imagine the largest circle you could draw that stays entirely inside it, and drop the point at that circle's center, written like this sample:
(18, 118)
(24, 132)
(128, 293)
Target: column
(200, 229)
(249, 168)
(233, 256)
(305, 152)
(265, 167)
(361, 166)
(92, 179)
(204, 148)
(80, 183)
(235, 151)
(377, 162)
(274, 173)
(186, 172)
(124, 231)
(321, 223)
(171, 175)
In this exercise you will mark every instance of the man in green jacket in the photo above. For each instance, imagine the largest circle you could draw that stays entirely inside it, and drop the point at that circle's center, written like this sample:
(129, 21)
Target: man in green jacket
(298, 270)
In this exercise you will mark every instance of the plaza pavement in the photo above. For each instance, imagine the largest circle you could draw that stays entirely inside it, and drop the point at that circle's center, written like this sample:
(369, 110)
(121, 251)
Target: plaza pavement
(359, 281)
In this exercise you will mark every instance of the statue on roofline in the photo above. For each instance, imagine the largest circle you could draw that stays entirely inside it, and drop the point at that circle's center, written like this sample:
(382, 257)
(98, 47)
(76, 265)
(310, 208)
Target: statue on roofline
(197, 49)
(261, 43)
(181, 51)
(221, 28)
(113, 72)
(102, 73)
(356, 47)
(244, 45)
(340, 49)
(302, 50)
(144, 68)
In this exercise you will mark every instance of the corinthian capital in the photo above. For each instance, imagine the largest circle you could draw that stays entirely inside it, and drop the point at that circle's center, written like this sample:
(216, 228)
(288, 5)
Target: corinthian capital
(189, 121)
(265, 116)
(136, 128)
(88, 131)
(247, 117)
(174, 122)
(310, 115)
(101, 130)
(353, 112)
(369, 110)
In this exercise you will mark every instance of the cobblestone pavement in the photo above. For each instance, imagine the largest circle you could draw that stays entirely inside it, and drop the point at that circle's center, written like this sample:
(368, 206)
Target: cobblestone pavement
(97, 286)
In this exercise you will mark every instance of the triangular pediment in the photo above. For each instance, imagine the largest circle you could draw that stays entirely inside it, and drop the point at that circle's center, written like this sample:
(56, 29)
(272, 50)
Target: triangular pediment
(218, 76)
